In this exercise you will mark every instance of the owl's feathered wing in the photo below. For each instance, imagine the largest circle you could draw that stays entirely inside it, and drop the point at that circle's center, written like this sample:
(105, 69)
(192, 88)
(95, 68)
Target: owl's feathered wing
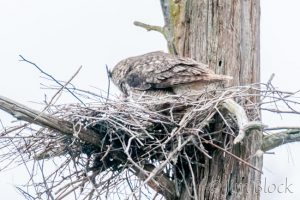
(159, 70)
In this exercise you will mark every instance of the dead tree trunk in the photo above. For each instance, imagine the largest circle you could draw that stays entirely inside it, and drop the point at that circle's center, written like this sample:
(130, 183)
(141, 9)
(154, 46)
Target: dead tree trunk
(224, 34)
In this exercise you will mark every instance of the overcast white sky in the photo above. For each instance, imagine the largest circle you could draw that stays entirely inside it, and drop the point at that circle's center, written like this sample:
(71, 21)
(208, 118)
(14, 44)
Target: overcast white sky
(62, 35)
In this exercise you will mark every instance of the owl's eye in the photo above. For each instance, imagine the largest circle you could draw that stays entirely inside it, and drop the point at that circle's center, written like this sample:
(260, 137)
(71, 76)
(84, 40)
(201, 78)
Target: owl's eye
(123, 89)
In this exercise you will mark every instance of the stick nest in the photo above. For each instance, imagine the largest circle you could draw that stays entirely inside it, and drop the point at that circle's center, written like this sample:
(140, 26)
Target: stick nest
(137, 148)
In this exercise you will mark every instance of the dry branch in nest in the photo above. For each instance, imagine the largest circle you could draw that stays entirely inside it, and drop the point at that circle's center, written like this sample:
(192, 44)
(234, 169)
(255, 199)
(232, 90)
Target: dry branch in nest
(120, 148)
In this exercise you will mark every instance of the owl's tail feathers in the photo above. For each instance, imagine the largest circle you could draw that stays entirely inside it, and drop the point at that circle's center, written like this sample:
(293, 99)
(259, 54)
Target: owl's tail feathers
(218, 77)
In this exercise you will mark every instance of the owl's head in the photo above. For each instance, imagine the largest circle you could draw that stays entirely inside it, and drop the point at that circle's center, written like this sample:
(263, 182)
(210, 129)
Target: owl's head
(118, 74)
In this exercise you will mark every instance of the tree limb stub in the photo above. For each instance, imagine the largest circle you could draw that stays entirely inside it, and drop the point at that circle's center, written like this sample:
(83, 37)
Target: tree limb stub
(163, 30)
(150, 27)
(277, 139)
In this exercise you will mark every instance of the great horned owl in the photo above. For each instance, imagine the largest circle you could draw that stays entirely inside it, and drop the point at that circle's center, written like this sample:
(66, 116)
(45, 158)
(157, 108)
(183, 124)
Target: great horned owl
(158, 73)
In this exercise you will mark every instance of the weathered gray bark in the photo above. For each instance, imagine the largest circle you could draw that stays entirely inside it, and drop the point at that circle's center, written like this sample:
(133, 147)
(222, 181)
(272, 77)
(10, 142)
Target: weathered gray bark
(224, 34)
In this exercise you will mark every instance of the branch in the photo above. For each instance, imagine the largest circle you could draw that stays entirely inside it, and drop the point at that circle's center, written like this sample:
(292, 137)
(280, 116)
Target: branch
(24, 113)
(150, 27)
(277, 139)
(163, 30)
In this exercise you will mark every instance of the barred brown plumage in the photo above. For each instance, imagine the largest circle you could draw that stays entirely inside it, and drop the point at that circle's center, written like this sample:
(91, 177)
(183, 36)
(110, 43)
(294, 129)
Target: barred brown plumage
(163, 74)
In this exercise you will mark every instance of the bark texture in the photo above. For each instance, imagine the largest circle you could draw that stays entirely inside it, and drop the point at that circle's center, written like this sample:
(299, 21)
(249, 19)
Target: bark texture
(225, 35)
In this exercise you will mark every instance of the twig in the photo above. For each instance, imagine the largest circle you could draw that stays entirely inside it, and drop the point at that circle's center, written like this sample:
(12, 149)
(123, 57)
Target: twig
(165, 162)
(42, 71)
(193, 176)
(281, 127)
(231, 154)
(64, 86)
(108, 79)
(281, 111)
(270, 79)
